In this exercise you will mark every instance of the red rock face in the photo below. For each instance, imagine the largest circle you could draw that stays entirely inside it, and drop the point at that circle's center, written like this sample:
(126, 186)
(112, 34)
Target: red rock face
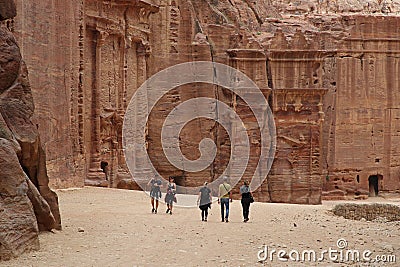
(328, 69)
(19, 229)
(10, 62)
(362, 155)
(50, 46)
(27, 205)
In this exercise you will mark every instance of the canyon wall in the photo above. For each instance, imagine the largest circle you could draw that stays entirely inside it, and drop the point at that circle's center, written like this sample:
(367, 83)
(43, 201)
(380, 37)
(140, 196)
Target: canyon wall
(364, 111)
(50, 37)
(328, 69)
(27, 204)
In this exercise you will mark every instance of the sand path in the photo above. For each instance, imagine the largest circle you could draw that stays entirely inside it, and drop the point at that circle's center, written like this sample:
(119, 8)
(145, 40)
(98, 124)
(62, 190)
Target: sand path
(120, 230)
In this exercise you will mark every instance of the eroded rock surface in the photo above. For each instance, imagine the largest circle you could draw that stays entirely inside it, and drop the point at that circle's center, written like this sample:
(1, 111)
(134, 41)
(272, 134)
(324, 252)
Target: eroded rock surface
(27, 205)
(18, 225)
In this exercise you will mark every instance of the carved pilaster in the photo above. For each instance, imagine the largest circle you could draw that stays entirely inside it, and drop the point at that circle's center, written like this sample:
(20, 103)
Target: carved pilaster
(96, 175)
(142, 51)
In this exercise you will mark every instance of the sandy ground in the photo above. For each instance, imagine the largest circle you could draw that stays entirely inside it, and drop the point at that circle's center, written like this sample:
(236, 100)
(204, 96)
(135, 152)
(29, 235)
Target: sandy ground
(120, 230)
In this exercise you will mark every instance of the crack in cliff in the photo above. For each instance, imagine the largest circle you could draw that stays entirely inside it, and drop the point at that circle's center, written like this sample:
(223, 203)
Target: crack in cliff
(218, 12)
(269, 74)
(259, 20)
(80, 103)
(196, 18)
(271, 153)
(215, 88)
(239, 19)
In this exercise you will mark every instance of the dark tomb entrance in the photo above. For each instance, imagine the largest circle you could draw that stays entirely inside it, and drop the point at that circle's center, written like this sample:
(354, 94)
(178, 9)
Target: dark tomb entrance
(373, 181)
(179, 181)
(104, 167)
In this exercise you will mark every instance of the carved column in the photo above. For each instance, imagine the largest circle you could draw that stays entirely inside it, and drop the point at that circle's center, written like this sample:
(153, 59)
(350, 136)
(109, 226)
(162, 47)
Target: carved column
(123, 172)
(143, 51)
(96, 176)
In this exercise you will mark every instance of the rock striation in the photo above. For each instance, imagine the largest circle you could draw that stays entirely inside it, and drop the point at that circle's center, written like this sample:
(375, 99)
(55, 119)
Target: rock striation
(27, 205)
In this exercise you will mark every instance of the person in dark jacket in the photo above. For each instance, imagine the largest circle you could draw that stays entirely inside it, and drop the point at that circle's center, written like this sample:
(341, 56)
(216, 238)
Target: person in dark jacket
(204, 201)
(246, 200)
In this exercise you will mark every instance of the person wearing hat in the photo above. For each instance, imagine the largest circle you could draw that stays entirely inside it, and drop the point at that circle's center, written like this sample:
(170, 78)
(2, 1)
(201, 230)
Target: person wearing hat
(225, 193)
(204, 201)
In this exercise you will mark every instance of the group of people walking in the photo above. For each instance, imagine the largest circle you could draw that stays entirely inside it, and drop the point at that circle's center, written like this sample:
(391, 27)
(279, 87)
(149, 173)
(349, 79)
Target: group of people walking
(155, 194)
(225, 196)
(204, 199)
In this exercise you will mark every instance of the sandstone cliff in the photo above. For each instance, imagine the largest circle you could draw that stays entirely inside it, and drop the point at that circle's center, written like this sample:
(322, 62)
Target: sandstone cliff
(27, 205)
(310, 58)
(328, 68)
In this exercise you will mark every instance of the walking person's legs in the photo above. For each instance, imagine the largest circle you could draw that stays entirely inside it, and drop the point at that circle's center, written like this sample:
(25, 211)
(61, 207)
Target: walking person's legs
(155, 211)
(246, 210)
(222, 209)
(227, 209)
(205, 214)
(243, 209)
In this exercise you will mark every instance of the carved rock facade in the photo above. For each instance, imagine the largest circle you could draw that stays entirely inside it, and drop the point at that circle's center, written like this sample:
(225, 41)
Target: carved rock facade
(328, 69)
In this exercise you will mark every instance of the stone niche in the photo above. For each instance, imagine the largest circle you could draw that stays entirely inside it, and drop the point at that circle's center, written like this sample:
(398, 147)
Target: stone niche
(116, 50)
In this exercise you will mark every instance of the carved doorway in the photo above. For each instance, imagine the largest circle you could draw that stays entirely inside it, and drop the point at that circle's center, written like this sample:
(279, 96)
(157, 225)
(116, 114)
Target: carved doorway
(105, 168)
(373, 182)
(179, 181)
